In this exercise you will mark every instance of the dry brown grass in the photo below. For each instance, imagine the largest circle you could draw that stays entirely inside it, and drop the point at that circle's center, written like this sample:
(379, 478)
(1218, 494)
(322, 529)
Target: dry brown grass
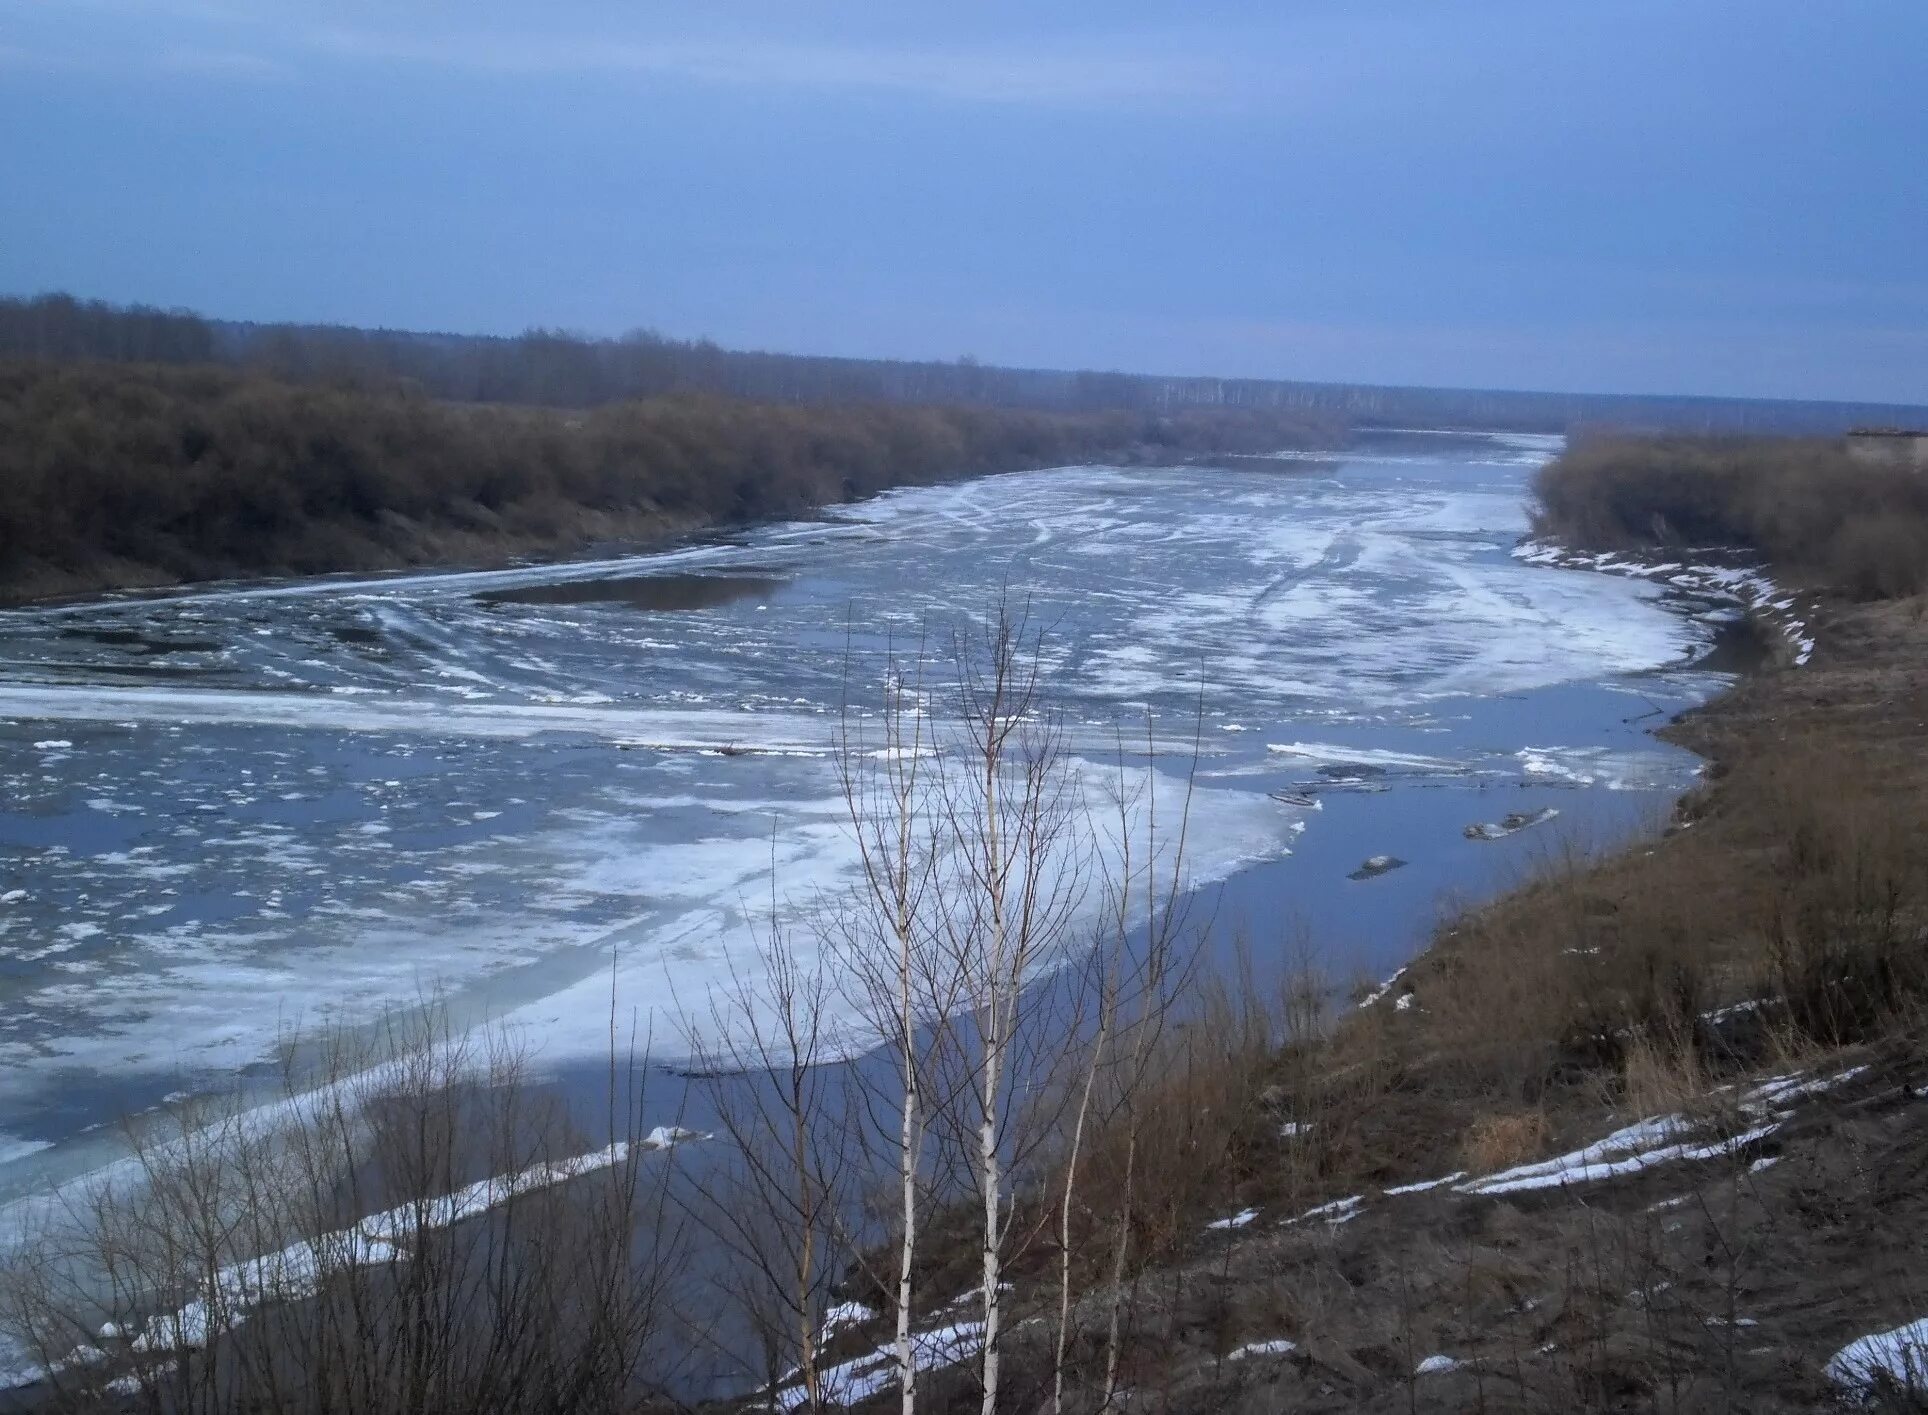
(1662, 1076)
(1503, 1140)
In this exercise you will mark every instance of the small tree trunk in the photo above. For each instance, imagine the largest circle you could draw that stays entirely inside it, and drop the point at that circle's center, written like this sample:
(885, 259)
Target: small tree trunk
(992, 1181)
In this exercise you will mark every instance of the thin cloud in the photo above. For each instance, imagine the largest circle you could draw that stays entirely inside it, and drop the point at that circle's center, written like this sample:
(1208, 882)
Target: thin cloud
(222, 63)
(976, 76)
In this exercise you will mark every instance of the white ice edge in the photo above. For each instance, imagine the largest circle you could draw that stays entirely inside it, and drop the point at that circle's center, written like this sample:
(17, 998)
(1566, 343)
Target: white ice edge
(1747, 587)
(1898, 1358)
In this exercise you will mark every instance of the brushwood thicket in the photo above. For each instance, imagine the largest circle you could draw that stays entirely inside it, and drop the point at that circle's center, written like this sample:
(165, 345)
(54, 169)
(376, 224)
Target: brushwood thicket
(143, 473)
(1802, 504)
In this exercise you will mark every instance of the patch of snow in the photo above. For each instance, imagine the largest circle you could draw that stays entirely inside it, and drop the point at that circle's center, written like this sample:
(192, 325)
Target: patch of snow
(135, 1384)
(1426, 1184)
(1278, 1346)
(861, 1377)
(1378, 994)
(1237, 1220)
(1437, 1366)
(1775, 1092)
(1627, 1151)
(845, 1314)
(1335, 1213)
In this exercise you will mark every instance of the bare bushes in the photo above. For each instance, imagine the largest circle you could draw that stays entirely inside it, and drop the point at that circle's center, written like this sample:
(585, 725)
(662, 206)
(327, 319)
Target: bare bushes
(168, 473)
(1800, 502)
(1875, 556)
(412, 1227)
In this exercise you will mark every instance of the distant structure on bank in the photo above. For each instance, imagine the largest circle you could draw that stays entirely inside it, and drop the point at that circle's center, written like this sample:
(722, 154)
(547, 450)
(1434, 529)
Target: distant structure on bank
(1890, 447)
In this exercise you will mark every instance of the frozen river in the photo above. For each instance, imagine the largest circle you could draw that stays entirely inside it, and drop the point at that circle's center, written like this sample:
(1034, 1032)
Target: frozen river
(229, 812)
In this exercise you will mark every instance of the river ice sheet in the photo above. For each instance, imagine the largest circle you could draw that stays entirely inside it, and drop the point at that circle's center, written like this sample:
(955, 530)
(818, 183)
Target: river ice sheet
(231, 811)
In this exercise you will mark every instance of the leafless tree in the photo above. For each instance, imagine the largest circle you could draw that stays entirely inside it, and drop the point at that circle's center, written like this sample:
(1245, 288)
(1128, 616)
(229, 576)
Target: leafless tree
(1130, 982)
(1012, 879)
(774, 1195)
(885, 950)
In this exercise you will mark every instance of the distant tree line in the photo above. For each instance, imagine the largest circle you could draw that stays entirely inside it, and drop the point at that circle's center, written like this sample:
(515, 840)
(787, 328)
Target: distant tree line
(1802, 504)
(61, 327)
(147, 473)
(553, 368)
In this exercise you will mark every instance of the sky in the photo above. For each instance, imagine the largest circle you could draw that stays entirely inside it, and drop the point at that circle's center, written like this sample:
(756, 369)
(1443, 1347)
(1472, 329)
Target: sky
(1618, 195)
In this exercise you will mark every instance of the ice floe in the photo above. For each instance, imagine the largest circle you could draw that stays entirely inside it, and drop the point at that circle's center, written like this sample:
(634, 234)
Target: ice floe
(1375, 865)
(1512, 823)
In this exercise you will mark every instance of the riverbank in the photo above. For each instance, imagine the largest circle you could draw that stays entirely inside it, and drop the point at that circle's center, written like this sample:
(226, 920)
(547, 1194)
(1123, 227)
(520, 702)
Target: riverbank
(1640, 1132)
(1646, 1131)
(116, 477)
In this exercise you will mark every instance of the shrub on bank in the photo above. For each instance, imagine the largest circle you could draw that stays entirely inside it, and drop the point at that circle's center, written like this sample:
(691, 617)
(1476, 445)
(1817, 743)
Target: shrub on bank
(1801, 503)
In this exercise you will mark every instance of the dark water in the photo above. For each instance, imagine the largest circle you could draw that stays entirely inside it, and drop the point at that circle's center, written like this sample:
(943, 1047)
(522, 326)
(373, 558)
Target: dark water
(659, 592)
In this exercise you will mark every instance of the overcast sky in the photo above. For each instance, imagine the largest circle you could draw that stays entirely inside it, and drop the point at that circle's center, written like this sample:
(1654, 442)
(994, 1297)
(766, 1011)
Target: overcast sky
(1618, 195)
